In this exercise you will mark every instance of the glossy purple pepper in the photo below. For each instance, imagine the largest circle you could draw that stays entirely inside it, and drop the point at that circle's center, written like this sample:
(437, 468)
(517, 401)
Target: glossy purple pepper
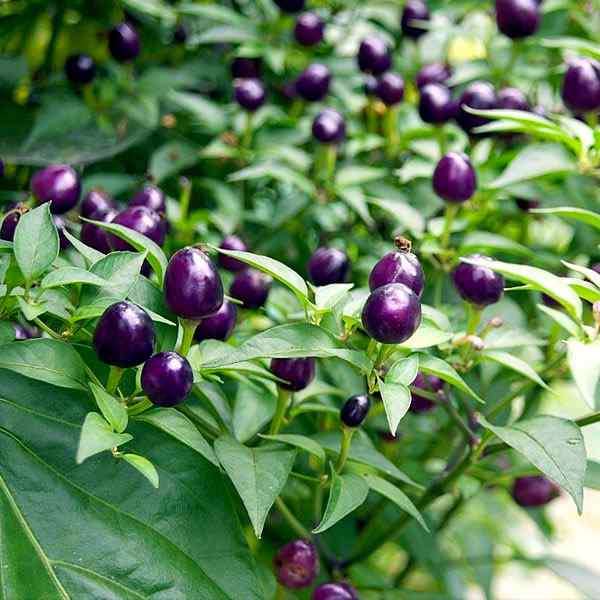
(313, 83)
(80, 69)
(250, 94)
(433, 73)
(335, 591)
(517, 19)
(219, 326)
(96, 237)
(309, 29)
(251, 287)
(329, 127)
(370, 86)
(512, 98)
(167, 378)
(290, 6)
(124, 42)
(534, 490)
(232, 242)
(477, 284)
(435, 103)
(398, 266)
(454, 178)
(96, 204)
(141, 219)
(10, 221)
(296, 564)
(355, 410)
(414, 10)
(374, 55)
(243, 67)
(180, 34)
(59, 185)
(581, 85)
(429, 383)
(390, 88)
(124, 335)
(479, 95)
(150, 196)
(193, 288)
(296, 372)
(391, 313)
(328, 265)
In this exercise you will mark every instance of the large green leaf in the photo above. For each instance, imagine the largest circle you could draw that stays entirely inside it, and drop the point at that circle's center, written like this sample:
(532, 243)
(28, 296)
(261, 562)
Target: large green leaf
(440, 368)
(511, 361)
(71, 275)
(396, 401)
(104, 509)
(258, 475)
(554, 445)
(584, 362)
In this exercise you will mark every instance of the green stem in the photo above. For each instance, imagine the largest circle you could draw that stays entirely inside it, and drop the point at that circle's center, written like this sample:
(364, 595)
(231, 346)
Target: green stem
(47, 329)
(474, 317)
(589, 419)
(184, 201)
(280, 592)
(248, 131)
(291, 520)
(451, 212)
(347, 433)
(114, 376)
(442, 139)
(390, 131)
(456, 418)
(57, 20)
(139, 407)
(371, 116)
(188, 327)
(283, 398)
(330, 156)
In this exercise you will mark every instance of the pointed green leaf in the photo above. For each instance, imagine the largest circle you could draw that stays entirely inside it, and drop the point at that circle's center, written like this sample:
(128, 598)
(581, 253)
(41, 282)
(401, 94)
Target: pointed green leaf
(144, 466)
(71, 275)
(404, 370)
(299, 441)
(112, 410)
(440, 368)
(584, 362)
(516, 364)
(396, 401)
(571, 212)
(98, 436)
(561, 318)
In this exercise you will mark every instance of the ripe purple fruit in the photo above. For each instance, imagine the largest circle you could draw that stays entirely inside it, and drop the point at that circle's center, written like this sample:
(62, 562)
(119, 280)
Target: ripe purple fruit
(124, 42)
(526, 204)
(313, 83)
(10, 221)
(80, 69)
(398, 266)
(476, 284)
(167, 378)
(232, 242)
(390, 88)
(479, 95)
(96, 237)
(433, 73)
(370, 86)
(141, 219)
(59, 185)
(219, 326)
(309, 29)
(250, 94)
(391, 313)
(150, 196)
(512, 98)
(245, 68)
(329, 127)
(96, 204)
(374, 55)
(251, 287)
(435, 103)
(355, 410)
(61, 226)
(1, 168)
(429, 383)
(124, 335)
(454, 178)
(414, 10)
(296, 372)
(335, 591)
(328, 265)
(22, 332)
(296, 564)
(193, 288)
(535, 490)
(180, 34)
(581, 85)
(517, 18)
(290, 6)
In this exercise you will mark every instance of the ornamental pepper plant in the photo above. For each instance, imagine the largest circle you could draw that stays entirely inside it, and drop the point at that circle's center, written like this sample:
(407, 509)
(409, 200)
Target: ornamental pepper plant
(298, 299)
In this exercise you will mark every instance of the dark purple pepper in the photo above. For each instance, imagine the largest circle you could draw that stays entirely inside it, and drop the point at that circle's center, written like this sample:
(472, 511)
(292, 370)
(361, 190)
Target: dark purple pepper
(96, 237)
(59, 185)
(296, 372)
(414, 10)
(193, 288)
(141, 219)
(391, 313)
(219, 326)
(167, 378)
(328, 265)
(245, 68)
(309, 29)
(454, 178)
(329, 127)
(10, 221)
(512, 99)
(335, 591)
(374, 55)
(435, 103)
(517, 19)
(596, 267)
(180, 34)
(232, 242)
(124, 335)
(581, 85)
(429, 383)
(479, 95)
(313, 83)
(390, 88)
(355, 410)
(525, 204)
(124, 42)
(534, 490)
(476, 284)
(250, 94)
(290, 6)
(370, 86)
(150, 196)
(80, 69)
(251, 287)
(433, 73)
(398, 267)
(61, 227)
(550, 302)
(22, 333)
(296, 564)
(1, 168)
(96, 204)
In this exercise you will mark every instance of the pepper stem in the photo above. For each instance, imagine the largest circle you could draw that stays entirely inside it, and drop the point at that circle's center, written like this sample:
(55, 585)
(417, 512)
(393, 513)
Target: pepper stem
(114, 376)
(473, 318)
(451, 212)
(347, 433)
(283, 398)
(188, 327)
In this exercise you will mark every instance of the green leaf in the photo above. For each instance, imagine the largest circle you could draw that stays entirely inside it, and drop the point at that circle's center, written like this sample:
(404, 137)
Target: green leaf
(181, 428)
(589, 274)
(357, 201)
(45, 360)
(352, 175)
(170, 159)
(7, 332)
(550, 284)
(554, 445)
(276, 171)
(276, 269)
(477, 241)
(584, 362)
(404, 370)
(112, 410)
(396, 401)
(226, 34)
(510, 361)
(299, 441)
(31, 309)
(90, 254)
(426, 336)
(346, 493)
(258, 475)
(440, 368)
(215, 12)
(144, 466)
(254, 408)
(153, 8)
(563, 320)
(71, 275)
(327, 296)
(581, 577)
(98, 436)
(396, 495)
(204, 112)
(592, 475)
(536, 160)
(36, 244)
